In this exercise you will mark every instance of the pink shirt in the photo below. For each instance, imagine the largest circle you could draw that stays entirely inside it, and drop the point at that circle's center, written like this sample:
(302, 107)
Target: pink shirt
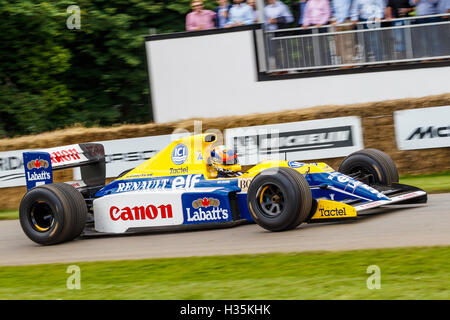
(317, 12)
(205, 18)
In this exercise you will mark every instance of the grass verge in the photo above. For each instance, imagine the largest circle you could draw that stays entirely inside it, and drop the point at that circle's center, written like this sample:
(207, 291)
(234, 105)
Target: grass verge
(406, 273)
(432, 183)
(9, 215)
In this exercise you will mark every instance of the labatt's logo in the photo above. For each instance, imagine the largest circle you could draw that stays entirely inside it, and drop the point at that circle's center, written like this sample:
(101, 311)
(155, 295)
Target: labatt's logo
(149, 212)
(38, 164)
(205, 202)
(212, 211)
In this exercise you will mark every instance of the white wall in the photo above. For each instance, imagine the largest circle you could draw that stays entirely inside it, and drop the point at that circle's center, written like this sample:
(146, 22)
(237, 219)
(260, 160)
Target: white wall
(215, 75)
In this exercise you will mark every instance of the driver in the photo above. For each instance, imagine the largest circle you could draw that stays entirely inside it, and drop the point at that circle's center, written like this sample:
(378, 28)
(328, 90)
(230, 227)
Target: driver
(224, 161)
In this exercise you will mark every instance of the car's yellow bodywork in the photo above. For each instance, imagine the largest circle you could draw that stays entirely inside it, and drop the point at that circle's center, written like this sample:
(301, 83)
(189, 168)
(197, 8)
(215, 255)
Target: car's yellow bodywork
(198, 149)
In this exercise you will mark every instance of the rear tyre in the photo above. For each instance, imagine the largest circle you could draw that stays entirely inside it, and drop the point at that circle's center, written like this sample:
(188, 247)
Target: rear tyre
(279, 199)
(53, 213)
(370, 166)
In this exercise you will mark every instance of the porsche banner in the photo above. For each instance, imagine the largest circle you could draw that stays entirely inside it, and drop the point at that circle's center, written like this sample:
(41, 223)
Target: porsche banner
(305, 140)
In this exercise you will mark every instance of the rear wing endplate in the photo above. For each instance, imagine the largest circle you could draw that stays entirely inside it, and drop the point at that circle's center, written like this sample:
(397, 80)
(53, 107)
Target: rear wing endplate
(90, 157)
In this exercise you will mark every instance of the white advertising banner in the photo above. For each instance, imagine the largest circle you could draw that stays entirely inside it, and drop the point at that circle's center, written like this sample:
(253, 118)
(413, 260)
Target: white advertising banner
(304, 140)
(12, 173)
(125, 154)
(424, 128)
(120, 155)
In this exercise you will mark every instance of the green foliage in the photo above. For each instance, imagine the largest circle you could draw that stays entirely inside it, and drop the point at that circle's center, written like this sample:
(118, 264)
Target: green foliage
(52, 77)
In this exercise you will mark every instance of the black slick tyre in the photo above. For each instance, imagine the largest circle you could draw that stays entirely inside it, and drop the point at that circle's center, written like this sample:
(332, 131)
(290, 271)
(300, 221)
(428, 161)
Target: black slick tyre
(371, 166)
(279, 199)
(53, 213)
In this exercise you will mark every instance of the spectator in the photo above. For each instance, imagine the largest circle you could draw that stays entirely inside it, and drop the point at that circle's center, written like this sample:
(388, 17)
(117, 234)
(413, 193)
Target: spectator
(341, 10)
(240, 14)
(444, 7)
(222, 12)
(371, 11)
(199, 19)
(299, 11)
(367, 10)
(430, 42)
(252, 3)
(276, 15)
(397, 9)
(425, 7)
(317, 13)
(345, 42)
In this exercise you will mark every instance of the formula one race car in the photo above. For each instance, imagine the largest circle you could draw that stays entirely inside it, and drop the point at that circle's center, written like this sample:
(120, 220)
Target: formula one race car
(195, 183)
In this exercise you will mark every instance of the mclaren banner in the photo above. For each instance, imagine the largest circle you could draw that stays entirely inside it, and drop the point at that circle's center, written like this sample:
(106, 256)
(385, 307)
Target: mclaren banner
(423, 128)
(305, 140)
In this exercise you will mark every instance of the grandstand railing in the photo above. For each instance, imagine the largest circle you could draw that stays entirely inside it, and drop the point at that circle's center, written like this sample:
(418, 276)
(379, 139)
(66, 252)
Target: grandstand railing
(362, 44)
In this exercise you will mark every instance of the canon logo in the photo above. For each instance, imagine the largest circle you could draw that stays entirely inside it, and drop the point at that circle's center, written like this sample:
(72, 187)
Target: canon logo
(141, 213)
(65, 156)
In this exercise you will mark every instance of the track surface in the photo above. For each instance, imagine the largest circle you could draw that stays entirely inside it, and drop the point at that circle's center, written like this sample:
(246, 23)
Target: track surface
(418, 225)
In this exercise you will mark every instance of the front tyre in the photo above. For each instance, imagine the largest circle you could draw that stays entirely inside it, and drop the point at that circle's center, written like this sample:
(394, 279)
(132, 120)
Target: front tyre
(279, 199)
(370, 166)
(53, 213)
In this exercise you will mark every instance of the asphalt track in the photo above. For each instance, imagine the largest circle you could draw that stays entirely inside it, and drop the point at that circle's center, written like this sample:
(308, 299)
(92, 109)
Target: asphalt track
(412, 225)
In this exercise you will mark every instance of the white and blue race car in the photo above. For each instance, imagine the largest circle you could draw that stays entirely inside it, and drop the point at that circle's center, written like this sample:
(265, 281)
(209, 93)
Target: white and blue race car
(181, 188)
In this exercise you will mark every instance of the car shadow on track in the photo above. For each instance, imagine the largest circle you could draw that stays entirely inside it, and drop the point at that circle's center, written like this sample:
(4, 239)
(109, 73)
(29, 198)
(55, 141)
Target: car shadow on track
(90, 233)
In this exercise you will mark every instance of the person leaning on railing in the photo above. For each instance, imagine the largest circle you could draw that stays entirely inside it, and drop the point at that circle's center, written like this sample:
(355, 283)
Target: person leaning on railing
(240, 14)
(341, 10)
(345, 42)
(199, 19)
(317, 13)
(397, 9)
(372, 12)
(367, 10)
(425, 7)
(252, 4)
(277, 15)
(430, 41)
(298, 8)
(444, 7)
(222, 11)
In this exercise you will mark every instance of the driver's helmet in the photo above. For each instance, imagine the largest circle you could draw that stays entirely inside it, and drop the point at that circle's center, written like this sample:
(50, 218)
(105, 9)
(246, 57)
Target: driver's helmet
(225, 161)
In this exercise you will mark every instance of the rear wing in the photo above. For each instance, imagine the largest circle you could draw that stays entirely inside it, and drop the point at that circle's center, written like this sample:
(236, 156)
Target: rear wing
(90, 157)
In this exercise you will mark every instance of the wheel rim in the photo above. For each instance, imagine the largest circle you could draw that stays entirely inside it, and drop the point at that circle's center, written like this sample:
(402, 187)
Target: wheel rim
(271, 200)
(42, 217)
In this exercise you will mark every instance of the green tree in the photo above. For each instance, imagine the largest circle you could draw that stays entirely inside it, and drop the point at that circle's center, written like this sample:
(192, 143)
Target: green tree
(52, 77)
